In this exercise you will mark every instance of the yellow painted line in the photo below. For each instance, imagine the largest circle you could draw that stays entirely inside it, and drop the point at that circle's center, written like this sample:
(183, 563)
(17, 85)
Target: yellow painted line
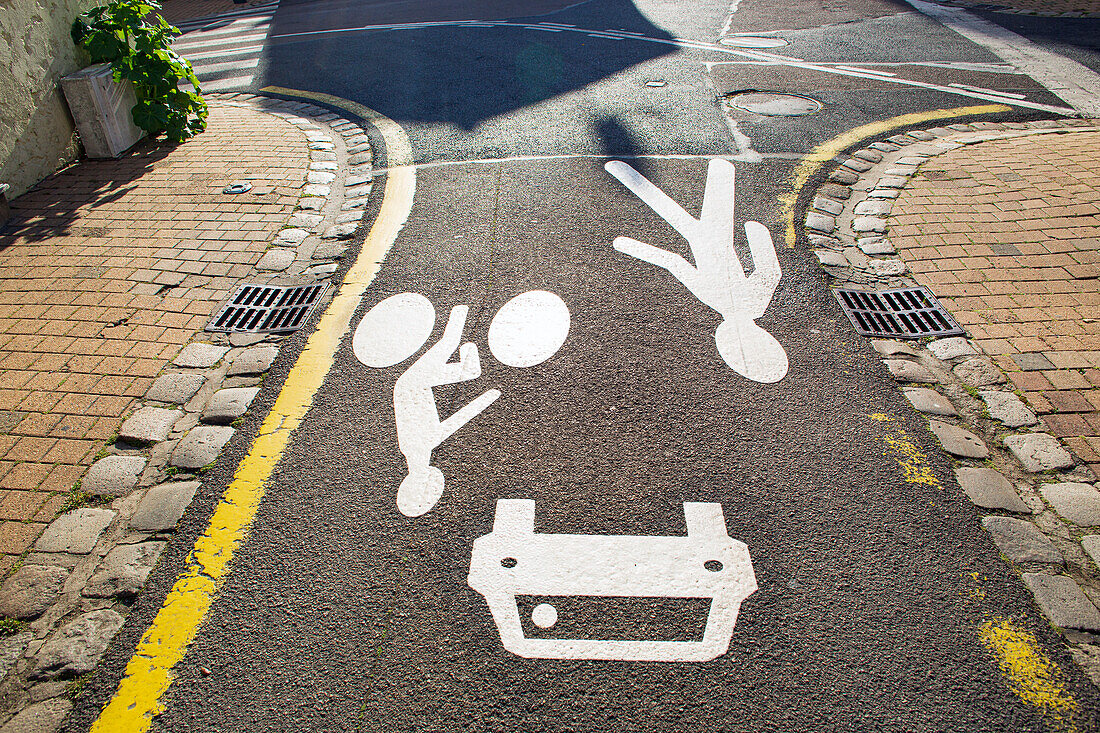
(149, 673)
(912, 460)
(1029, 673)
(827, 151)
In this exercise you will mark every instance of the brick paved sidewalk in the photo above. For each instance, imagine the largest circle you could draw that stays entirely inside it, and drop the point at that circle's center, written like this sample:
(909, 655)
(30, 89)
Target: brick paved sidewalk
(107, 269)
(1007, 234)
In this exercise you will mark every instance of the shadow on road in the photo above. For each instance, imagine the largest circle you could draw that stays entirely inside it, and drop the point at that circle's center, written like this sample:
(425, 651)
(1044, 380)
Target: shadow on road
(457, 74)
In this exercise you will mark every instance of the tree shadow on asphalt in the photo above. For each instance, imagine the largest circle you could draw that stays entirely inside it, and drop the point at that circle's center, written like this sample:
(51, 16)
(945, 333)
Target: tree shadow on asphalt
(456, 74)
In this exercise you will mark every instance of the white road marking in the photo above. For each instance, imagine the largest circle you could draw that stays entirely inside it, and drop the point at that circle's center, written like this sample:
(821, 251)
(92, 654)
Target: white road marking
(760, 56)
(591, 156)
(529, 329)
(513, 560)
(223, 54)
(214, 47)
(242, 64)
(875, 71)
(1075, 83)
(183, 46)
(734, 5)
(1003, 94)
(526, 331)
(717, 278)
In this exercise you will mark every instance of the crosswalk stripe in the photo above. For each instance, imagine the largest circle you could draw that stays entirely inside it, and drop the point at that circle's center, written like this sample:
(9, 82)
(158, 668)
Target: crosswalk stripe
(265, 9)
(201, 69)
(200, 46)
(224, 50)
(221, 54)
(229, 82)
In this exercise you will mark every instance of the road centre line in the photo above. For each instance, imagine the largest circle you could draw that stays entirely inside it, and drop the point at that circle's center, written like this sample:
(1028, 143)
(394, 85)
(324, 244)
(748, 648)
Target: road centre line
(149, 673)
(988, 95)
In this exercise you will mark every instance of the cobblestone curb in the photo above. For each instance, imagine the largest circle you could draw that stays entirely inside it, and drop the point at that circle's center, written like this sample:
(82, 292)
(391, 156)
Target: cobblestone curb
(70, 594)
(1041, 503)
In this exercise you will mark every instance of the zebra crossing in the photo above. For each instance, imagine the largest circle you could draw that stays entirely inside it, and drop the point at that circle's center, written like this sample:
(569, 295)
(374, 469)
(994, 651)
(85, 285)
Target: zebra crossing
(225, 49)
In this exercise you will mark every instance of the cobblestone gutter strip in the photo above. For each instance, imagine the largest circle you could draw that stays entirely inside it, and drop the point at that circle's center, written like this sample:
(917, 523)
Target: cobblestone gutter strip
(70, 594)
(1042, 501)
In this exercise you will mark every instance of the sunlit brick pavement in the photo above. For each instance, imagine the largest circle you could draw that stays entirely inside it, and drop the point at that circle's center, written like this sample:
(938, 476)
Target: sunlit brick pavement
(106, 270)
(1007, 233)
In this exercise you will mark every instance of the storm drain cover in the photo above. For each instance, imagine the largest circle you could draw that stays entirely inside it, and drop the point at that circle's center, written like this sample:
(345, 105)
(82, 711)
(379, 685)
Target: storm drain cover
(771, 104)
(908, 313)
(267, 308)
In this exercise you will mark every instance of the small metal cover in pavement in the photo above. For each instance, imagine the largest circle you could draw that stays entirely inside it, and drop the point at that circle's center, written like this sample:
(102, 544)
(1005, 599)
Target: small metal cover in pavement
(773, 104)
(267, 308)
(908, 313)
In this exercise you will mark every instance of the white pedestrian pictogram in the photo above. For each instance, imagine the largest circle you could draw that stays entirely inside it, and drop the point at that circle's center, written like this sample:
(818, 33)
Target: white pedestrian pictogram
(717, 278)
(513, 560)
(526, 331)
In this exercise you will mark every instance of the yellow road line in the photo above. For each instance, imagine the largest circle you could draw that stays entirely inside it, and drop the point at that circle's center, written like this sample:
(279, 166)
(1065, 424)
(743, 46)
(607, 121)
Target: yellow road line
(149, 673)
(825, 152)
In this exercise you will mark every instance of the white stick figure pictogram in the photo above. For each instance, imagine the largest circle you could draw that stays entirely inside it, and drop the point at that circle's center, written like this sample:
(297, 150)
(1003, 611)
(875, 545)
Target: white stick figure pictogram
(717, 278)
(526, 331)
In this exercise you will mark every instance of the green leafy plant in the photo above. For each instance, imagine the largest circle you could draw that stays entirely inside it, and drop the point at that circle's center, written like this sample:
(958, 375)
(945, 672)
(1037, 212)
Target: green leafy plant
(10, 626)
(138, 49)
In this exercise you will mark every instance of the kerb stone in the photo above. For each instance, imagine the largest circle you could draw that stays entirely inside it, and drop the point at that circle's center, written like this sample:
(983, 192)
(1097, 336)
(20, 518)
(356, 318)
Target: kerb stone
(1008, 409)
(228, 404)
(75, 532)
(1091, 543)
(113, 475)
(892, 348)
(909, 371)
(124, 570)
(256, 360)
(1039, 452)
(1021, 541)
(950, 348)
(77, 646)
(175, 388)
(979, 372)
(1063, 602)
(199, 356)
(200, 446)
(163, 506)
(41, 717)
(989, 489)
(11, 649)
(957, 441)
(276, 259)
(31, 590)
(1079, 503)
(149, 425)
(929, 401)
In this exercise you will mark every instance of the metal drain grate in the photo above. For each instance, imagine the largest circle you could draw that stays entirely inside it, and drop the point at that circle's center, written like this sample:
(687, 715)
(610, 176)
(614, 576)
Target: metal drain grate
(908, 313)
(267, 308)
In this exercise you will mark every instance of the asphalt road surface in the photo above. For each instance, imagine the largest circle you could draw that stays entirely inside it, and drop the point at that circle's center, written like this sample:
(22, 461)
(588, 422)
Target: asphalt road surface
(630, 402)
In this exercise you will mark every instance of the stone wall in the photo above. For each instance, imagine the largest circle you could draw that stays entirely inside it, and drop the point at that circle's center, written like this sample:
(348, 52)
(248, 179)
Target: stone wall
(36, 131)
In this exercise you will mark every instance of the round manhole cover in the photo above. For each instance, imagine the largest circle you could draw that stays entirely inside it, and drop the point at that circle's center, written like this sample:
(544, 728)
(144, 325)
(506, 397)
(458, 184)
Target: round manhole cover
(753, 42)
(774, 105)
